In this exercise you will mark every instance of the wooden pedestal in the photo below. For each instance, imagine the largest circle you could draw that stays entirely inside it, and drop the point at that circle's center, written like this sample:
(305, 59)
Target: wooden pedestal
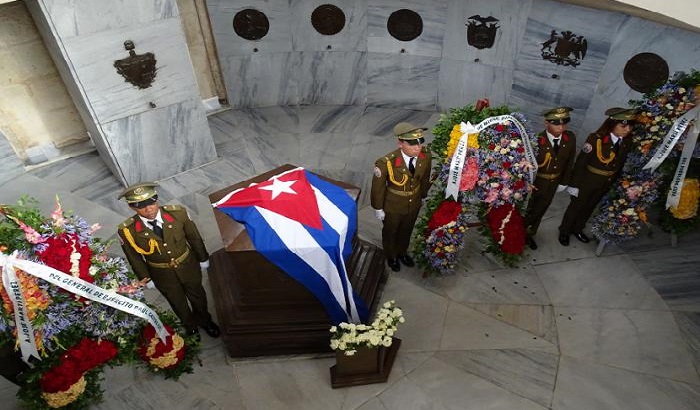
(340, 378)
(261, 309)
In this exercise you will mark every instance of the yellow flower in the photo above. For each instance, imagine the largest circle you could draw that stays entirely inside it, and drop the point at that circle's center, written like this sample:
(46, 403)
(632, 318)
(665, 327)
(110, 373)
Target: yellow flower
(688, 202)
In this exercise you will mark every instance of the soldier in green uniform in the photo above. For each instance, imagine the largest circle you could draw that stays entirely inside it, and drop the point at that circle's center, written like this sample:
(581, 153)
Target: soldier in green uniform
(598, 164)
(162, 244)
(555, 158)
(401, 179)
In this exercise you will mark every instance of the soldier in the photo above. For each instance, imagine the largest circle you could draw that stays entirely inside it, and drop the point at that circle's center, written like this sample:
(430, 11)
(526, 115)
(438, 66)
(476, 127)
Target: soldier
(555, 157)
(401, 179)
(163, 244)
(598, 164)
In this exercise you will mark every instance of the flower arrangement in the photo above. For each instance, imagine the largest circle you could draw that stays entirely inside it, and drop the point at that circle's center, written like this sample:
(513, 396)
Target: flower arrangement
(626, 209)
(688, 205)
(348, 337)
(95, 333)
(494, 176)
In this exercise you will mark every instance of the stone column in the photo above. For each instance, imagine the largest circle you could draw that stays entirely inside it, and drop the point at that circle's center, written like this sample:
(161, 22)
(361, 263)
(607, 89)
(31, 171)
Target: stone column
(141, 133)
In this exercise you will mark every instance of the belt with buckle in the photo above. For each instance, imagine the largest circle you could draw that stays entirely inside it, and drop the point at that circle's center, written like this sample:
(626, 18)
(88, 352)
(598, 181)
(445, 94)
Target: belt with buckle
(174, 262)
(403, 193)
(598, 171)
(549, 177)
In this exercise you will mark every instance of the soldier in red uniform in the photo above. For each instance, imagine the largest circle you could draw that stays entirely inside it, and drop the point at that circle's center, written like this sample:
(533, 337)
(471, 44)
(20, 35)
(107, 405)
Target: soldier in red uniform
(598, 164)
(401, 179)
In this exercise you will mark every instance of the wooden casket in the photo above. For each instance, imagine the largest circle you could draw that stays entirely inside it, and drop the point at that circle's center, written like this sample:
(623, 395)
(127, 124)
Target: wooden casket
(264, 311)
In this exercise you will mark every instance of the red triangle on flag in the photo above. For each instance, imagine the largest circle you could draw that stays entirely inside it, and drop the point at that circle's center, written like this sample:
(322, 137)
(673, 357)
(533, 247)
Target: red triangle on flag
(289, 194)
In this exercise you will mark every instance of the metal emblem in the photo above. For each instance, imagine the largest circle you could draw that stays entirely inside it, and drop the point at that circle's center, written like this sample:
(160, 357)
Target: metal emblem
(645, 72)
(481, 31)
(137, 69)
(328, 19)
(565, 48)
(404, 25)
(251, 24)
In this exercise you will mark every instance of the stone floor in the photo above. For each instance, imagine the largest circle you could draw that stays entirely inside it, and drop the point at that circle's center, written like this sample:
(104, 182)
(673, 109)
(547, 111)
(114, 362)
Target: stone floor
(566, 330)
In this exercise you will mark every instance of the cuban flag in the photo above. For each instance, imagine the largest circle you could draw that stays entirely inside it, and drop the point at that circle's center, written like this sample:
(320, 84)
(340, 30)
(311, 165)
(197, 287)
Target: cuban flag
(305, 226)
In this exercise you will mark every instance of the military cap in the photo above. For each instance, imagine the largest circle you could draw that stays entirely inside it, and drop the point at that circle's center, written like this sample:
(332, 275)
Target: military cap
(408, 131)
(141, 194)
(558, 113)
(621, 114)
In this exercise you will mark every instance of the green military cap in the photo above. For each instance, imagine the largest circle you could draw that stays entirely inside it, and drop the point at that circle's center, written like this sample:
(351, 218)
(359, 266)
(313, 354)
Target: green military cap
(408, 131)
(143, 193)
(621, 114)
(558, 113)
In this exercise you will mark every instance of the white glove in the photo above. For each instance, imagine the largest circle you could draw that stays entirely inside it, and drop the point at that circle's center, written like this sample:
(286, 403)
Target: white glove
(204, 265)
(572, 191)
(561, 188)
(150, 285)
(379, 214)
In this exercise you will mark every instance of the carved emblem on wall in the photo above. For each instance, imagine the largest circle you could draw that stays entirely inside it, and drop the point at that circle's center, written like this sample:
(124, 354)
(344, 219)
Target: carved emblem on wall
(645, 72)
(481, 31)
(565, 48)
(137, 69)
(404, 25)
(251, 24)
(328, 19)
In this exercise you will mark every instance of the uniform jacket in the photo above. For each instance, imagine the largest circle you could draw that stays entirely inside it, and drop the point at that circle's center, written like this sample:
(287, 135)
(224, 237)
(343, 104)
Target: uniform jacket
(402, 193)
(179, 235)
(589, 158)
(560, 163)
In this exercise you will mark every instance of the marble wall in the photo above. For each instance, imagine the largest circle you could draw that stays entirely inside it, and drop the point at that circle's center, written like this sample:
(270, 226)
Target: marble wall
(365, 65)
(146, 134)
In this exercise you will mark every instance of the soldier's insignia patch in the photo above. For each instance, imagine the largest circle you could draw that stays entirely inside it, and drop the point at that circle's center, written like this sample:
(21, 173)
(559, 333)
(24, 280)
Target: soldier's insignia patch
(377, 172)
(587, 148)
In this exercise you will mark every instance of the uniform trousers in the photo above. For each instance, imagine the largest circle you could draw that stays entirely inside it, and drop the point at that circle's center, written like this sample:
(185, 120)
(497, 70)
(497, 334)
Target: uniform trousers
(396, 233)
(582, 206)
(180, 285)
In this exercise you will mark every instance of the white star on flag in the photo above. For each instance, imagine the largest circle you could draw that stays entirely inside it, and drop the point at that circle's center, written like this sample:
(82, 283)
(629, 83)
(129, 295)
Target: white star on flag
(278, 187)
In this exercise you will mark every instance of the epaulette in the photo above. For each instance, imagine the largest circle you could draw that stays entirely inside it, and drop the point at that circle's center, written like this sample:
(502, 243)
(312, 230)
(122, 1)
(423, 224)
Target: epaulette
(126, 223)
(173, 208)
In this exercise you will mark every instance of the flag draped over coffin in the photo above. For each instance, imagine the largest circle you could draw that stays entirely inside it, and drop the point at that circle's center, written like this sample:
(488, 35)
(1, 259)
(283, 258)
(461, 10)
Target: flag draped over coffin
(305, 226)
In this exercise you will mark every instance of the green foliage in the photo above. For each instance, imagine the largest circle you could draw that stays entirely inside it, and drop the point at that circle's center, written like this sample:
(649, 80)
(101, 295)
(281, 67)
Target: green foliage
(442, 129)
(27, 211)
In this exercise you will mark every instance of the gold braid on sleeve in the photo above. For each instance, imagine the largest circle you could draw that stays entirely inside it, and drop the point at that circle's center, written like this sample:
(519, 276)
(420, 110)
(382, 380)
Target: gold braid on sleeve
(390, 171)
(152, 243)
(599, 153)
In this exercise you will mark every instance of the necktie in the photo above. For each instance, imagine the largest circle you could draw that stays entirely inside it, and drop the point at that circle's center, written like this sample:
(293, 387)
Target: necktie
(411, 167)
(156, 229)
(616, 146)
(556, 146)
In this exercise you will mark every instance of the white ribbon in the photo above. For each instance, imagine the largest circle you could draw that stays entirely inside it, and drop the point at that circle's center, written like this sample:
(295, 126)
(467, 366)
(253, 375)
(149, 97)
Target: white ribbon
(72, 284)
(674, 192)
(25, 330)
(455, 175)
(670, 140)
(457, 163)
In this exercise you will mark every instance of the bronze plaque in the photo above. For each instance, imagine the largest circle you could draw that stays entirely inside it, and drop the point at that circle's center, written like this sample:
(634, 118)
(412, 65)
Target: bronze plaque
(328, 19)
(481, 31)
(645, 72)
(404, 25)
(564, 48)
(251, 24)
(137, 69)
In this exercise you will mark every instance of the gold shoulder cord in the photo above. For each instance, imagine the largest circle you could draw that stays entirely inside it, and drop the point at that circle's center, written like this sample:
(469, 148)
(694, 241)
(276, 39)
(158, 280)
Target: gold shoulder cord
(599, 153)
(390, 171)
(152, 243)
(547, 159)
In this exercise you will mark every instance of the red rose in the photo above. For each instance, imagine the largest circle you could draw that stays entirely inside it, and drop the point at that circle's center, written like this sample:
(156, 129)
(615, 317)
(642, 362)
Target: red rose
(519, 184)
(513, 233)
(500, 127)
(446, 212)
(520, 150)
(492, 146)
(489, 172)
(506, 164)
